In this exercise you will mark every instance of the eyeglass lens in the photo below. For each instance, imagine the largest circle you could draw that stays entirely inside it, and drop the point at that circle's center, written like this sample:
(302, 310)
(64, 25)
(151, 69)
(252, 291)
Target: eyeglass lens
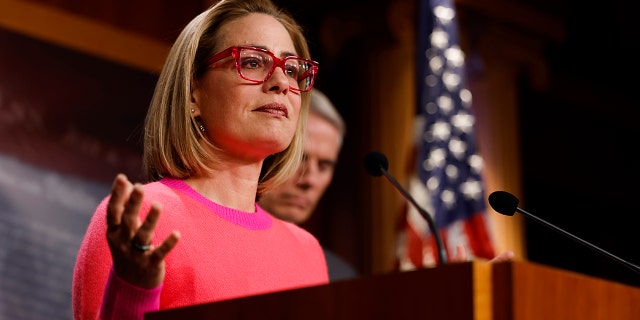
(258, 65)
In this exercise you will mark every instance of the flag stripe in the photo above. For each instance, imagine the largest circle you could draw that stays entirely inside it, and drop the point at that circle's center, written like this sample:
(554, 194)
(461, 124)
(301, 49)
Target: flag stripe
(448, 169)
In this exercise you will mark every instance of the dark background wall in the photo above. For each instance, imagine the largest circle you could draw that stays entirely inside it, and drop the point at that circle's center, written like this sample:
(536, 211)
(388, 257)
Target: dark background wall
(578, 131)
(69, 121)
(577, 141)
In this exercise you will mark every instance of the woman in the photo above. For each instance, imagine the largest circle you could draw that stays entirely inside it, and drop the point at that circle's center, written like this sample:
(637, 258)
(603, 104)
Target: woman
(226, 123)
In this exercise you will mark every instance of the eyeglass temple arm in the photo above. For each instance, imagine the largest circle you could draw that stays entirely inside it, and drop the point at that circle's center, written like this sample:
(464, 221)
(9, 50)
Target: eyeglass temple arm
(309, 72)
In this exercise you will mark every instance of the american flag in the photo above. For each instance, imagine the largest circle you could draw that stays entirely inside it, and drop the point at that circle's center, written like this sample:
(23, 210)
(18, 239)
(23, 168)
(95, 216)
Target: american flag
(447, 180)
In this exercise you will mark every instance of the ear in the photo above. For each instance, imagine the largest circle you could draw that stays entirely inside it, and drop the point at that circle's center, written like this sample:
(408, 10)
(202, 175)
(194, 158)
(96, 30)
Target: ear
(194, 103)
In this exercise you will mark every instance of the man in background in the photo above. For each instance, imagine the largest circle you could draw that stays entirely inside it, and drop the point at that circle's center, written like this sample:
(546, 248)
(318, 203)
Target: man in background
(296, 199)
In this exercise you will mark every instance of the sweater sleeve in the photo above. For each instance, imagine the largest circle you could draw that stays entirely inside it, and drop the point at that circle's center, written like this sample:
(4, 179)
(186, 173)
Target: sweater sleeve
(121, 300)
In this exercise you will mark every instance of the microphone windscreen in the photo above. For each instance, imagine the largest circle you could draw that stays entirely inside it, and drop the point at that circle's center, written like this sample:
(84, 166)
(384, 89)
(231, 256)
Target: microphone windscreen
(374, 162)
(503, 202)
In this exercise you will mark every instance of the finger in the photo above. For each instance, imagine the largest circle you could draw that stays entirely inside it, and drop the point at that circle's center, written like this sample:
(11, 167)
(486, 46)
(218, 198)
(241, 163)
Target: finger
(152, 265)
(504, 256)
(461, 253)
(167, 245)
(131, 213)
(144, 234)
(117, 200)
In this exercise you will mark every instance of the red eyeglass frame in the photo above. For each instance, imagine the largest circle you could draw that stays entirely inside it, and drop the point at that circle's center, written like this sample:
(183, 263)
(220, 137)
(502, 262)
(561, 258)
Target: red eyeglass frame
(234, 51)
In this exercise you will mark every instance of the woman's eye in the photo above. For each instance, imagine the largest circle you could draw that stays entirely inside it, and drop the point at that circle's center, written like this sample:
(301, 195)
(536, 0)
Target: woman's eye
(291, 71)
(252, 63)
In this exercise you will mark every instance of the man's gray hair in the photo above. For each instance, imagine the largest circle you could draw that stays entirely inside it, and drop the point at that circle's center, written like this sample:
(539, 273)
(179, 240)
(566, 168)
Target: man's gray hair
(322, 106)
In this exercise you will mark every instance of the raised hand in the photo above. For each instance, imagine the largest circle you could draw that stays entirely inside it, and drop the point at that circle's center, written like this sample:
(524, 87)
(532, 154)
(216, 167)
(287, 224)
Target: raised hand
(461, 255)
(503, 256)
(135, 259)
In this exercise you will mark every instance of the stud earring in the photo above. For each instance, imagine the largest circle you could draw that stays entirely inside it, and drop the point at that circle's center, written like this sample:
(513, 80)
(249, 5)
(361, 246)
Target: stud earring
(193, 110)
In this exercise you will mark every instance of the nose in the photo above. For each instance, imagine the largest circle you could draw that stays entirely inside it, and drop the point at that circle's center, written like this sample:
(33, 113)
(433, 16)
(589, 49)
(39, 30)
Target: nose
(278, 81)
(308, 175)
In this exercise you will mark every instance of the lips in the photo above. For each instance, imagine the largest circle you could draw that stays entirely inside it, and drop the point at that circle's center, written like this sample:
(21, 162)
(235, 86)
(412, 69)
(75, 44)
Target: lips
(297, 201)
(274, 109)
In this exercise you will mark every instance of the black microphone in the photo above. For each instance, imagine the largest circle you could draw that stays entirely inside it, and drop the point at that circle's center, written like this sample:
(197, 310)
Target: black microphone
(507, 204)
(376, 165)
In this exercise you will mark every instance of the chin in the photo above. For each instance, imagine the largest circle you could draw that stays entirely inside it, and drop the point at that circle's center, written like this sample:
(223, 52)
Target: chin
(275, 146)
(295, 218)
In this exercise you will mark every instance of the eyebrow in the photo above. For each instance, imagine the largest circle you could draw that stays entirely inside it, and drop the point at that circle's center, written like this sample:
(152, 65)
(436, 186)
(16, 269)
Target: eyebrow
(322, 160)
(284, 54)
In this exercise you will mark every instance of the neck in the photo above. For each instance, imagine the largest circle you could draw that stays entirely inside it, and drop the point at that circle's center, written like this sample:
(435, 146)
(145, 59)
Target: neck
(235, 188)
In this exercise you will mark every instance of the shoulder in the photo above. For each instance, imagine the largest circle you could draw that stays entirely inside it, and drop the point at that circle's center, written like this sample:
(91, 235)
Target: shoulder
(158, 188)
(298, 232)
(161, 191)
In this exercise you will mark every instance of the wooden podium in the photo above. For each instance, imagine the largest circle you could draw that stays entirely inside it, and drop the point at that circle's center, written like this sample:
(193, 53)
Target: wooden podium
(472, 290)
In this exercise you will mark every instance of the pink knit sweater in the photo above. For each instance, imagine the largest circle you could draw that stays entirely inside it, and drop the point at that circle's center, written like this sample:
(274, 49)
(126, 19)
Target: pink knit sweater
(222, 254)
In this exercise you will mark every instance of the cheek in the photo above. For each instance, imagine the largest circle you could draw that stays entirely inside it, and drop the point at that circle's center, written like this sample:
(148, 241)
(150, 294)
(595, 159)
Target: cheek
(296, 104)
(325, 179)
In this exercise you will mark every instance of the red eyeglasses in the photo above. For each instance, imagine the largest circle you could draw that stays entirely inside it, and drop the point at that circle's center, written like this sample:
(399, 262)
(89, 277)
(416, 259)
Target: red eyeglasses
(257, 65)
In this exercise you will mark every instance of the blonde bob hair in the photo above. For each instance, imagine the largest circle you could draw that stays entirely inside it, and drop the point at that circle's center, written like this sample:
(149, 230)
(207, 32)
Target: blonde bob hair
(173, 145)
